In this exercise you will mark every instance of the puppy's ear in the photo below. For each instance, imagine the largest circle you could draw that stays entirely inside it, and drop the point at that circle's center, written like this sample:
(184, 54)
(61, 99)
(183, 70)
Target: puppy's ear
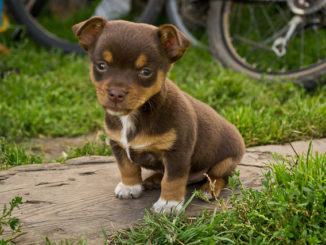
(89, 30)
(174, 41)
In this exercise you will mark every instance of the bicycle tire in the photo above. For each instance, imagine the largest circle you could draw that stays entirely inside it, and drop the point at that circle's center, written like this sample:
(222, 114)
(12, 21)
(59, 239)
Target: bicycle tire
(151, 12)
(174, 18)
(222, 50)
(43, 37)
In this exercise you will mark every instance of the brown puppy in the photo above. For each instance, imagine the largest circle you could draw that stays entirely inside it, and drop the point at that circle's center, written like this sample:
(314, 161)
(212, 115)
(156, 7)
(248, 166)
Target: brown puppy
(150, 121)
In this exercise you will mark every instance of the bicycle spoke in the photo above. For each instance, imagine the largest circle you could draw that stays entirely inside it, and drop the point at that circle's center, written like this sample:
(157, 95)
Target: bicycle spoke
(317, 42)
(279, 28)
(283, 63)
(271, 65)
(252, 43)
(239, 17)
(282, 13)
(255, 23)
(276, 35)
(267, 18)
(251, 50)
(234, 9)
(302, 48)
(259, 58)
(251, 26)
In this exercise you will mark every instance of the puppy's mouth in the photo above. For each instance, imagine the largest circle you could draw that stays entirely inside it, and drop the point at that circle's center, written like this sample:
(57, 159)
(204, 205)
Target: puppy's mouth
(117, 110)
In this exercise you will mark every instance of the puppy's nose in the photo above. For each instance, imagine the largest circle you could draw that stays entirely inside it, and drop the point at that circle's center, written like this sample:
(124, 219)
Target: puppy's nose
(116, 95)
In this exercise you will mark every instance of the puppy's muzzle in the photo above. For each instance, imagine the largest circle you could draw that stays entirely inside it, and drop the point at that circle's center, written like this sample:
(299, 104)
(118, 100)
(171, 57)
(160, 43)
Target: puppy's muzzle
(116, 95)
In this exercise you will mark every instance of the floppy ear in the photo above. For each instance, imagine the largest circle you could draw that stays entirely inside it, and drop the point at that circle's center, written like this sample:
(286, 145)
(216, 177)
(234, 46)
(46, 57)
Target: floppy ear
(174, 41)
(89, 30)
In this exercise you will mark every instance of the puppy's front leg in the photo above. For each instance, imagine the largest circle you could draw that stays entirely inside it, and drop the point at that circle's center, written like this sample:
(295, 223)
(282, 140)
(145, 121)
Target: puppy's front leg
(131, 180)
(174, 182)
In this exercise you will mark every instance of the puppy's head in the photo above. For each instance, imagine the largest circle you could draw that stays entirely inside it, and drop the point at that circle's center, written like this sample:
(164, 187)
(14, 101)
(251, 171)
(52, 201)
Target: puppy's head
(128, 61)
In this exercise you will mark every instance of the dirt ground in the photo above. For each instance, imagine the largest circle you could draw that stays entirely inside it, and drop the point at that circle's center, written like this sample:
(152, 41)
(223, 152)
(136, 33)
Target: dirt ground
(53, 148)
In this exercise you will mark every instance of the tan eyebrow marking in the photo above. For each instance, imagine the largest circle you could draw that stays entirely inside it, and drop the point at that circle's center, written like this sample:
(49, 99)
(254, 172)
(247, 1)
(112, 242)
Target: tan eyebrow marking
(107, 55)
(141, 61)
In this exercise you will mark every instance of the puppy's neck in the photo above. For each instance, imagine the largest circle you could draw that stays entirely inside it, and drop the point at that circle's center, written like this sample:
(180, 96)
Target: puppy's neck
(156, 101)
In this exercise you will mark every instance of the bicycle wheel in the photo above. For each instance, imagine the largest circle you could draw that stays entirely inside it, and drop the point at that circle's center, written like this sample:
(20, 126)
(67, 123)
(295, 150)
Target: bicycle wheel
(189, 17)
(244, 36)
(55, 32)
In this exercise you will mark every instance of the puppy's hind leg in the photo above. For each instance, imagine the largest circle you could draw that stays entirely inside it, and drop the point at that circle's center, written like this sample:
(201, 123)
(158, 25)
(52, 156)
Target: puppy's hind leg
(218, 175)
(153, 181)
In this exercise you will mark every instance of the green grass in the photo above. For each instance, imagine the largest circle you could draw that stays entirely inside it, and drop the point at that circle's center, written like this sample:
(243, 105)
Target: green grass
(57, 23)
(90, 148)
(82, 241)
(8, 223)
(289, 209)
(52, 96)
(14, 155)
(264, 113)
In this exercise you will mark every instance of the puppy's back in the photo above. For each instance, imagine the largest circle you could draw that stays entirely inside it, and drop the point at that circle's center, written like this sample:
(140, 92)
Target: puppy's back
(217, 139)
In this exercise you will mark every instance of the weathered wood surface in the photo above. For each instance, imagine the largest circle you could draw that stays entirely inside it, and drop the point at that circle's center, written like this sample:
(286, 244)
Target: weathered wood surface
(76, 199)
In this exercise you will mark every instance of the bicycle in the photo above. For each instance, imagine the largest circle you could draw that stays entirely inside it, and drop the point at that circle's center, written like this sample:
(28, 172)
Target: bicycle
(264, 38)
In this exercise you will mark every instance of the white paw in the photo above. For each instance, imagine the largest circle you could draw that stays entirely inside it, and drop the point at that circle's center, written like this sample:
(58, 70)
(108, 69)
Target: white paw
(168, 207)
(127, 191)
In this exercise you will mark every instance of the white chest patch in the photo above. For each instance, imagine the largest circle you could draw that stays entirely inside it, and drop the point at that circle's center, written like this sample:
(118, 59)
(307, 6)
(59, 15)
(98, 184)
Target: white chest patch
(127, 126)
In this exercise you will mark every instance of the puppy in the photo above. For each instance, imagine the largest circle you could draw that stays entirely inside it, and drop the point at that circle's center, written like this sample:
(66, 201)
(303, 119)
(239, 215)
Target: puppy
(151, 123)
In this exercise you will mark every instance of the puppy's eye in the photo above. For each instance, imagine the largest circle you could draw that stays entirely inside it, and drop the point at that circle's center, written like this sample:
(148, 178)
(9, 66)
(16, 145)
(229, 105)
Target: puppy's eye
(101, 66)
(145, 72)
